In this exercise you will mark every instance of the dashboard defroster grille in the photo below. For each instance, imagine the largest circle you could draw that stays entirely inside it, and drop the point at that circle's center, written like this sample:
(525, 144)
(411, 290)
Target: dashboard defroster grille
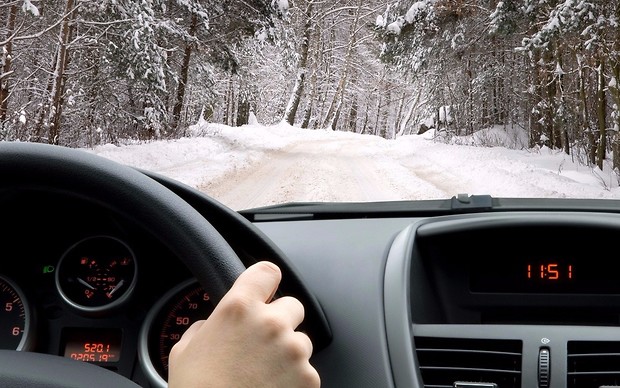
(444, 361)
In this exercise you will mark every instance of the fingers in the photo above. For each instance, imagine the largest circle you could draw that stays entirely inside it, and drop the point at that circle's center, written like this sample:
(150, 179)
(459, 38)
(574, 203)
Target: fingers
(258, 282)
(289, 309)
(305, 343)
(188, 335)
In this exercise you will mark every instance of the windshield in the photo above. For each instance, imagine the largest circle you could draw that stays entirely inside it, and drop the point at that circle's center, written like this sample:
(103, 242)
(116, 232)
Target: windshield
(263, 102)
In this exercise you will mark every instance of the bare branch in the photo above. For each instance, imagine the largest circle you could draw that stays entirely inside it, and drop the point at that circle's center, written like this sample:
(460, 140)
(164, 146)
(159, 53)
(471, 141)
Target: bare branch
(41, 33)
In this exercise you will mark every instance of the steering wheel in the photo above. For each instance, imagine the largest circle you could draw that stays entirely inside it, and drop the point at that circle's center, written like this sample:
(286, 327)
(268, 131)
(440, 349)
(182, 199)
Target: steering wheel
(40, 167)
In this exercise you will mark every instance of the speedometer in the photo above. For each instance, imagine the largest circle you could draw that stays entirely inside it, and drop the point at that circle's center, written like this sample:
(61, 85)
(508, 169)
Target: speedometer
(174, 313)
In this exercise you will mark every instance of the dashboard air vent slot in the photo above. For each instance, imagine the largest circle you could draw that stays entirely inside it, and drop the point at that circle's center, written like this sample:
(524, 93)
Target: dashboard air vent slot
(444, 361)
(593, 364)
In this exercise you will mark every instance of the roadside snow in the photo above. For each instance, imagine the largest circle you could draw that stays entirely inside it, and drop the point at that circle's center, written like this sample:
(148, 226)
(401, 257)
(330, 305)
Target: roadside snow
(258, 165)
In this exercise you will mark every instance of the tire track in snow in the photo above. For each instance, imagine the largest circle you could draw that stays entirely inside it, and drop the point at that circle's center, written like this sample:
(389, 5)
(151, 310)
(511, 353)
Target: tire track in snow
(344, 170)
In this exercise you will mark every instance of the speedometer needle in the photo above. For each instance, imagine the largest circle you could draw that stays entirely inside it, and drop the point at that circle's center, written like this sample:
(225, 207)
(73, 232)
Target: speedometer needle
(85, 283)
(116, 287)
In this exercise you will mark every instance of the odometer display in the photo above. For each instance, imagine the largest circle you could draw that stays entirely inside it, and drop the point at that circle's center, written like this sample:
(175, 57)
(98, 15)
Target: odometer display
(165, 324)
(92, 345)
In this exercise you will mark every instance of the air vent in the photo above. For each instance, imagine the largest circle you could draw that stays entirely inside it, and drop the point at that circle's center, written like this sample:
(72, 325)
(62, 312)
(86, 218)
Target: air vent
(444, 361)
(593, 363)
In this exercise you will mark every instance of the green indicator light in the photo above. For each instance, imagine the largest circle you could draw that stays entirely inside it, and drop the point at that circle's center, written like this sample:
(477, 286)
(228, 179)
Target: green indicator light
(48, 269)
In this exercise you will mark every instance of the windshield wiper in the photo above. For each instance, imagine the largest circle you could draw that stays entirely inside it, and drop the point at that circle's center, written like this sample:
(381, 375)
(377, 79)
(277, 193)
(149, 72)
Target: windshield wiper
(459, 204)
(333, 210)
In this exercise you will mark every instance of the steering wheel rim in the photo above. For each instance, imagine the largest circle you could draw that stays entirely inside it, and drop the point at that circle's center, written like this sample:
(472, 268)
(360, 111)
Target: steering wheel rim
(128, 192)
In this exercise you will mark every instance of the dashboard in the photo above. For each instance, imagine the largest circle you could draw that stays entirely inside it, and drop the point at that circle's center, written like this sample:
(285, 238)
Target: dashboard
(490, 293)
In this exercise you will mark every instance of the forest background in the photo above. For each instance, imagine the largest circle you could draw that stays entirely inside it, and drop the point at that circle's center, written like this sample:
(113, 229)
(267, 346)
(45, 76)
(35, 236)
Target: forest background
(80, 73)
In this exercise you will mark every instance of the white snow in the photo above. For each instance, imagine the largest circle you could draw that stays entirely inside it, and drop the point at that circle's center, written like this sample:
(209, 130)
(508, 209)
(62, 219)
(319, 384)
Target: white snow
(394, 28)
(282, 5)
(428, 122)
(29, 7)
(380, 21)
(416, 8)
(445, 114)
(257, 165)
(252, 120)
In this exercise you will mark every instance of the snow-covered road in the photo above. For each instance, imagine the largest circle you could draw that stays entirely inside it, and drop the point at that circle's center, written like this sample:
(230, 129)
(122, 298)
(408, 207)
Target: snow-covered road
(342, 170)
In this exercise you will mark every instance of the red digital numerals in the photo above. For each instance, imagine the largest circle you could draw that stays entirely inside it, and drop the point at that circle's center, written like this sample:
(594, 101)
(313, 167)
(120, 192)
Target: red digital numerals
(549, 271)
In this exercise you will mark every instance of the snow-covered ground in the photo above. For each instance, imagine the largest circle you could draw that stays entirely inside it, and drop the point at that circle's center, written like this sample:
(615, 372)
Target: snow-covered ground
(258, 165)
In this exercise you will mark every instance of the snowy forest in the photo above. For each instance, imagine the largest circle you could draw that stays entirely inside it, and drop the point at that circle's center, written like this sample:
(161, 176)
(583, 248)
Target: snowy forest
(79, 73)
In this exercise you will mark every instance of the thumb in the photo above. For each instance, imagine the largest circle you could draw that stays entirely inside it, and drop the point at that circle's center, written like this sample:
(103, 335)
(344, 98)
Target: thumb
(258, 282)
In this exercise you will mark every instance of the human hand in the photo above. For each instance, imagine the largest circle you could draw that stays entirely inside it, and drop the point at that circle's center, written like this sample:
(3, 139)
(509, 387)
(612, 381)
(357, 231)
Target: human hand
(247, 341)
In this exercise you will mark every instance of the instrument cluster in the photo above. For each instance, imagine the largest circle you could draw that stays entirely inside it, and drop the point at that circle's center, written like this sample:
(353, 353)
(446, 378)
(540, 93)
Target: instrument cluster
(103, 302)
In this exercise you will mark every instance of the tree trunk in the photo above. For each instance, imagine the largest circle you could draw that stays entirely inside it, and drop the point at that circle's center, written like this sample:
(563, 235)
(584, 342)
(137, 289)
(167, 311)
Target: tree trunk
(561, 122)
(59, 77)
(298, 89)
(334, 108)
(495, 109)
(536, 129)
(614, 91)
(178, 105)
(243, 110)
(375, 129)
(470, 98)
(601, 111)
(550, 88)
(353, 116)
(501, 92)
(585, 113)
(310, 104)
(399, 115)
(6, 67)
(228, 110)
(366, 118)
(325, 68)
(334, 124)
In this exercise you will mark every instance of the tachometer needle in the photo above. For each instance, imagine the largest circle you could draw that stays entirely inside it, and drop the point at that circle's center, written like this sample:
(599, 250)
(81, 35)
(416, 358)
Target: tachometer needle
(85, 283)
(116, 287)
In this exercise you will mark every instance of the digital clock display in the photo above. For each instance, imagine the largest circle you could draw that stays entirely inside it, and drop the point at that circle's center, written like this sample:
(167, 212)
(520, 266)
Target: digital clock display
(549, 271)
(92, 345)
(546, 275)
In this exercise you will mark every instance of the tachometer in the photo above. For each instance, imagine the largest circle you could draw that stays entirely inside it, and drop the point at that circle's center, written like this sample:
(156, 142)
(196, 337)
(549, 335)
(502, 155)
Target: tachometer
(174, 313)
(15, 319)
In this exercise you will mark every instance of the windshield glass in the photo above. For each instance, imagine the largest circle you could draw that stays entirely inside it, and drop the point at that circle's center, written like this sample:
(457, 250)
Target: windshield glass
(261, 102)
